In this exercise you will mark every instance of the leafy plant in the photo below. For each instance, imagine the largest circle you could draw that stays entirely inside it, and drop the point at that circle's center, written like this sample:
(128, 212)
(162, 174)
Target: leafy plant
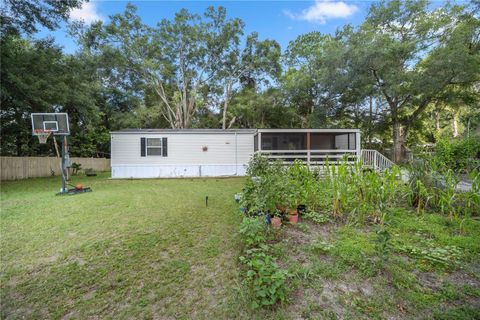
(257, 166)
(316, 217)
(448, 194)
(382, 244)
(264, 278)
(427, 252)
(75, 168)
(458, 154)
(321, 246)
(253, 231)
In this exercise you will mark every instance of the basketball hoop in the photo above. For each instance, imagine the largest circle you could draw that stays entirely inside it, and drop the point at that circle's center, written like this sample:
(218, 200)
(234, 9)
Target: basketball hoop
(42, 136)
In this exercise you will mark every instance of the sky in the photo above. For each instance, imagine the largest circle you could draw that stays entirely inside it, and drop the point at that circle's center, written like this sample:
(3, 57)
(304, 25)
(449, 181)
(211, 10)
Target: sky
(282, 21)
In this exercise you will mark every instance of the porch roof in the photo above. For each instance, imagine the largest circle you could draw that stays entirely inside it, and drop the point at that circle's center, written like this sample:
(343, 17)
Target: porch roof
(308, 130)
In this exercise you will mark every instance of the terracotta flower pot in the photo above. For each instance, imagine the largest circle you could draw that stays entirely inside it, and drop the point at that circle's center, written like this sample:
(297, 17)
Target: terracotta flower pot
(281, 208)
(276, 222)
(293, 212)
(293, 218)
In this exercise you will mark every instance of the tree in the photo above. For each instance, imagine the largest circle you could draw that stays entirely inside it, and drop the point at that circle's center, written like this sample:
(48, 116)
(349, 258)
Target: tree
(30, 83)
(25, 15)
(174, 60)
(409, 55)
(265, 109)
(256, 62)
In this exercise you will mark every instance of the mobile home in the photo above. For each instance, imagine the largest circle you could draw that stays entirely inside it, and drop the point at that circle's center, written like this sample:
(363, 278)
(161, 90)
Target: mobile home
(165, 153)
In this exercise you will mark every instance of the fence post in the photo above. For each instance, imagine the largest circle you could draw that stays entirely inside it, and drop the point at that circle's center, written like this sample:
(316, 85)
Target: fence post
(375, 160)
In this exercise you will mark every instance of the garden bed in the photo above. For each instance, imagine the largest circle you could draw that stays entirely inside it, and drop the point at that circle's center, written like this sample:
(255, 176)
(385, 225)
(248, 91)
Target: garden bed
(361, 249)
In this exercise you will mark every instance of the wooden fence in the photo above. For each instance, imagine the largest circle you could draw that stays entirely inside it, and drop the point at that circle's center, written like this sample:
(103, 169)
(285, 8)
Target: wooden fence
(14, 168)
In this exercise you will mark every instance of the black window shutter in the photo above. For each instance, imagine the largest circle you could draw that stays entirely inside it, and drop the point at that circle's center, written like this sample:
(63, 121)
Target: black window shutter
(142, 147)
(164, 147)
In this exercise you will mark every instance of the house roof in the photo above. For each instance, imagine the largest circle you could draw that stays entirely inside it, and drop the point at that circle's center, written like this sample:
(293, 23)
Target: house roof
(184, 131)
(290, 130)
(220, 131)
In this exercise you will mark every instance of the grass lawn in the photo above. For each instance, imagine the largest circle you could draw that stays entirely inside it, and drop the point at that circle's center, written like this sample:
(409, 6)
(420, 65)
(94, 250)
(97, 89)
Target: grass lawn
(151, 249)
(130, 249)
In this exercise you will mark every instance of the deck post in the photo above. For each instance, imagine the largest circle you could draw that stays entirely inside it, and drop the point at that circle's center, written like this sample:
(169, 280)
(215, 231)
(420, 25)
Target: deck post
(308, 148)
(259, 137)
(358, 146)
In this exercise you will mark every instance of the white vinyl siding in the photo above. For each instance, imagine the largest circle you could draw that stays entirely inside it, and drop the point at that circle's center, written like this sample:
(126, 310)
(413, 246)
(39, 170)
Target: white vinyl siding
(184, 149)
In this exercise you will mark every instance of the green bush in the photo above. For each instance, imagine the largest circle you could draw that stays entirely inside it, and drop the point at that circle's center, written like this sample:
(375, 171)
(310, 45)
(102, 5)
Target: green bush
(434, 186)
(458, 154)
(340, 190)
(264, 278)
(257, 166)
(318, 218)
(253, 231)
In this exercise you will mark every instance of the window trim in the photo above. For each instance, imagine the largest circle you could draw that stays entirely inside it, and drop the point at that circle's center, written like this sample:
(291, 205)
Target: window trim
(154, 147)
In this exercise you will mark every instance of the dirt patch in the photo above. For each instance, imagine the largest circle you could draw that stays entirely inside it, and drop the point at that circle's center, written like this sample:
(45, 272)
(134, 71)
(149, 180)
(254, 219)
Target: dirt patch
(90, 294)
(468, 276)
(429, 280)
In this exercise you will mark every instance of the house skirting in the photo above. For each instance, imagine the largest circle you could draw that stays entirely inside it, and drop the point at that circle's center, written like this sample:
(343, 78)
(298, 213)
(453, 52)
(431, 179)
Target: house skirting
(176, 171)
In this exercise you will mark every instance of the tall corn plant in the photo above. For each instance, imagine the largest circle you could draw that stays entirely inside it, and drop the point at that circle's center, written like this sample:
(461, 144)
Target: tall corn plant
(472, 197)
(447, 195)
(338, 176)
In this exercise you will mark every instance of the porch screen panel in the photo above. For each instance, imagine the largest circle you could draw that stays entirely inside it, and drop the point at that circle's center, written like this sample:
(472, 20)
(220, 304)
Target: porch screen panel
(341, 141)
(322, 141)
(283, 141)
(352, 141)
(346, 141)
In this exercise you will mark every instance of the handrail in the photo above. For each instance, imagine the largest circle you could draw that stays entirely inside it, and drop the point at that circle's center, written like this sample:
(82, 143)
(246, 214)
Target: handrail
(369, 158)
(306, 150)
(311, 157)
(375, 160)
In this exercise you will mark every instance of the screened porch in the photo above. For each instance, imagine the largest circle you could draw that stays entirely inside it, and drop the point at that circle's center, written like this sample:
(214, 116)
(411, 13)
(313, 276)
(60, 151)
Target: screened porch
(314, 146)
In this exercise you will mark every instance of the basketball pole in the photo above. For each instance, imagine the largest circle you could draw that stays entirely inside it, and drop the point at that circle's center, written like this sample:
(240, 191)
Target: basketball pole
(64, 189)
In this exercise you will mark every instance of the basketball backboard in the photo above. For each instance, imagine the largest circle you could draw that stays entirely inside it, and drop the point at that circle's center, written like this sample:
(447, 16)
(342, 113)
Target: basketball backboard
(54, 123)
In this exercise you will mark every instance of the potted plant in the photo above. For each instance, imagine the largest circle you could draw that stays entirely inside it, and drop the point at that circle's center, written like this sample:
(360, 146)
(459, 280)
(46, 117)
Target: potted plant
(276, 220)
(75, 167)
(293, 201)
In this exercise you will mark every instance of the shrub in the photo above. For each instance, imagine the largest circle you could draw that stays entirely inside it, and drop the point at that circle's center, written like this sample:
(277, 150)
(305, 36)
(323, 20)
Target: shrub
(428, 253)
(75, 168)
(264, 278)
(257, 166)
(458, 154)
(254, 231)
(316, 217)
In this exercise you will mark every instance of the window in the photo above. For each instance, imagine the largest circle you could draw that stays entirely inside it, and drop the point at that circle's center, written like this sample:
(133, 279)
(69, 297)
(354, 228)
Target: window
(284, 141)
(154, 146)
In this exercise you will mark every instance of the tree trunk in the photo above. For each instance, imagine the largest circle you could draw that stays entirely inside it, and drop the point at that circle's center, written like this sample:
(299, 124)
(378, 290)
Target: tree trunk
(370, 120)
(224, 121)
(228, 89)
(398, 140)
(455, 125)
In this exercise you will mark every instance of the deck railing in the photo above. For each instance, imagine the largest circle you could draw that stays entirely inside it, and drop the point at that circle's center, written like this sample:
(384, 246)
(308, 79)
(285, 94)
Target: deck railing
(370, 158)
(375, 160)
(311, 157)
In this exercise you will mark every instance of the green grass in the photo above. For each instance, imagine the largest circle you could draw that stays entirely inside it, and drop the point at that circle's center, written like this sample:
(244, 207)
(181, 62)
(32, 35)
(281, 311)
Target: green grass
(151, 249)
(130, 249)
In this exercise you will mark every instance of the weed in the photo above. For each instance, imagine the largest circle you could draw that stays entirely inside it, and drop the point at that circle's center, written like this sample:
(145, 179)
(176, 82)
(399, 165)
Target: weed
(264, 278)
(253, 230)
(316, 217)
(321, 247)
(446, 257)
(382, 244)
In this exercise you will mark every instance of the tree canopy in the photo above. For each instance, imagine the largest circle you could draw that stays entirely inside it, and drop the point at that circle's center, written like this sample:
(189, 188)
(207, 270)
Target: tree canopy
(405, 75)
